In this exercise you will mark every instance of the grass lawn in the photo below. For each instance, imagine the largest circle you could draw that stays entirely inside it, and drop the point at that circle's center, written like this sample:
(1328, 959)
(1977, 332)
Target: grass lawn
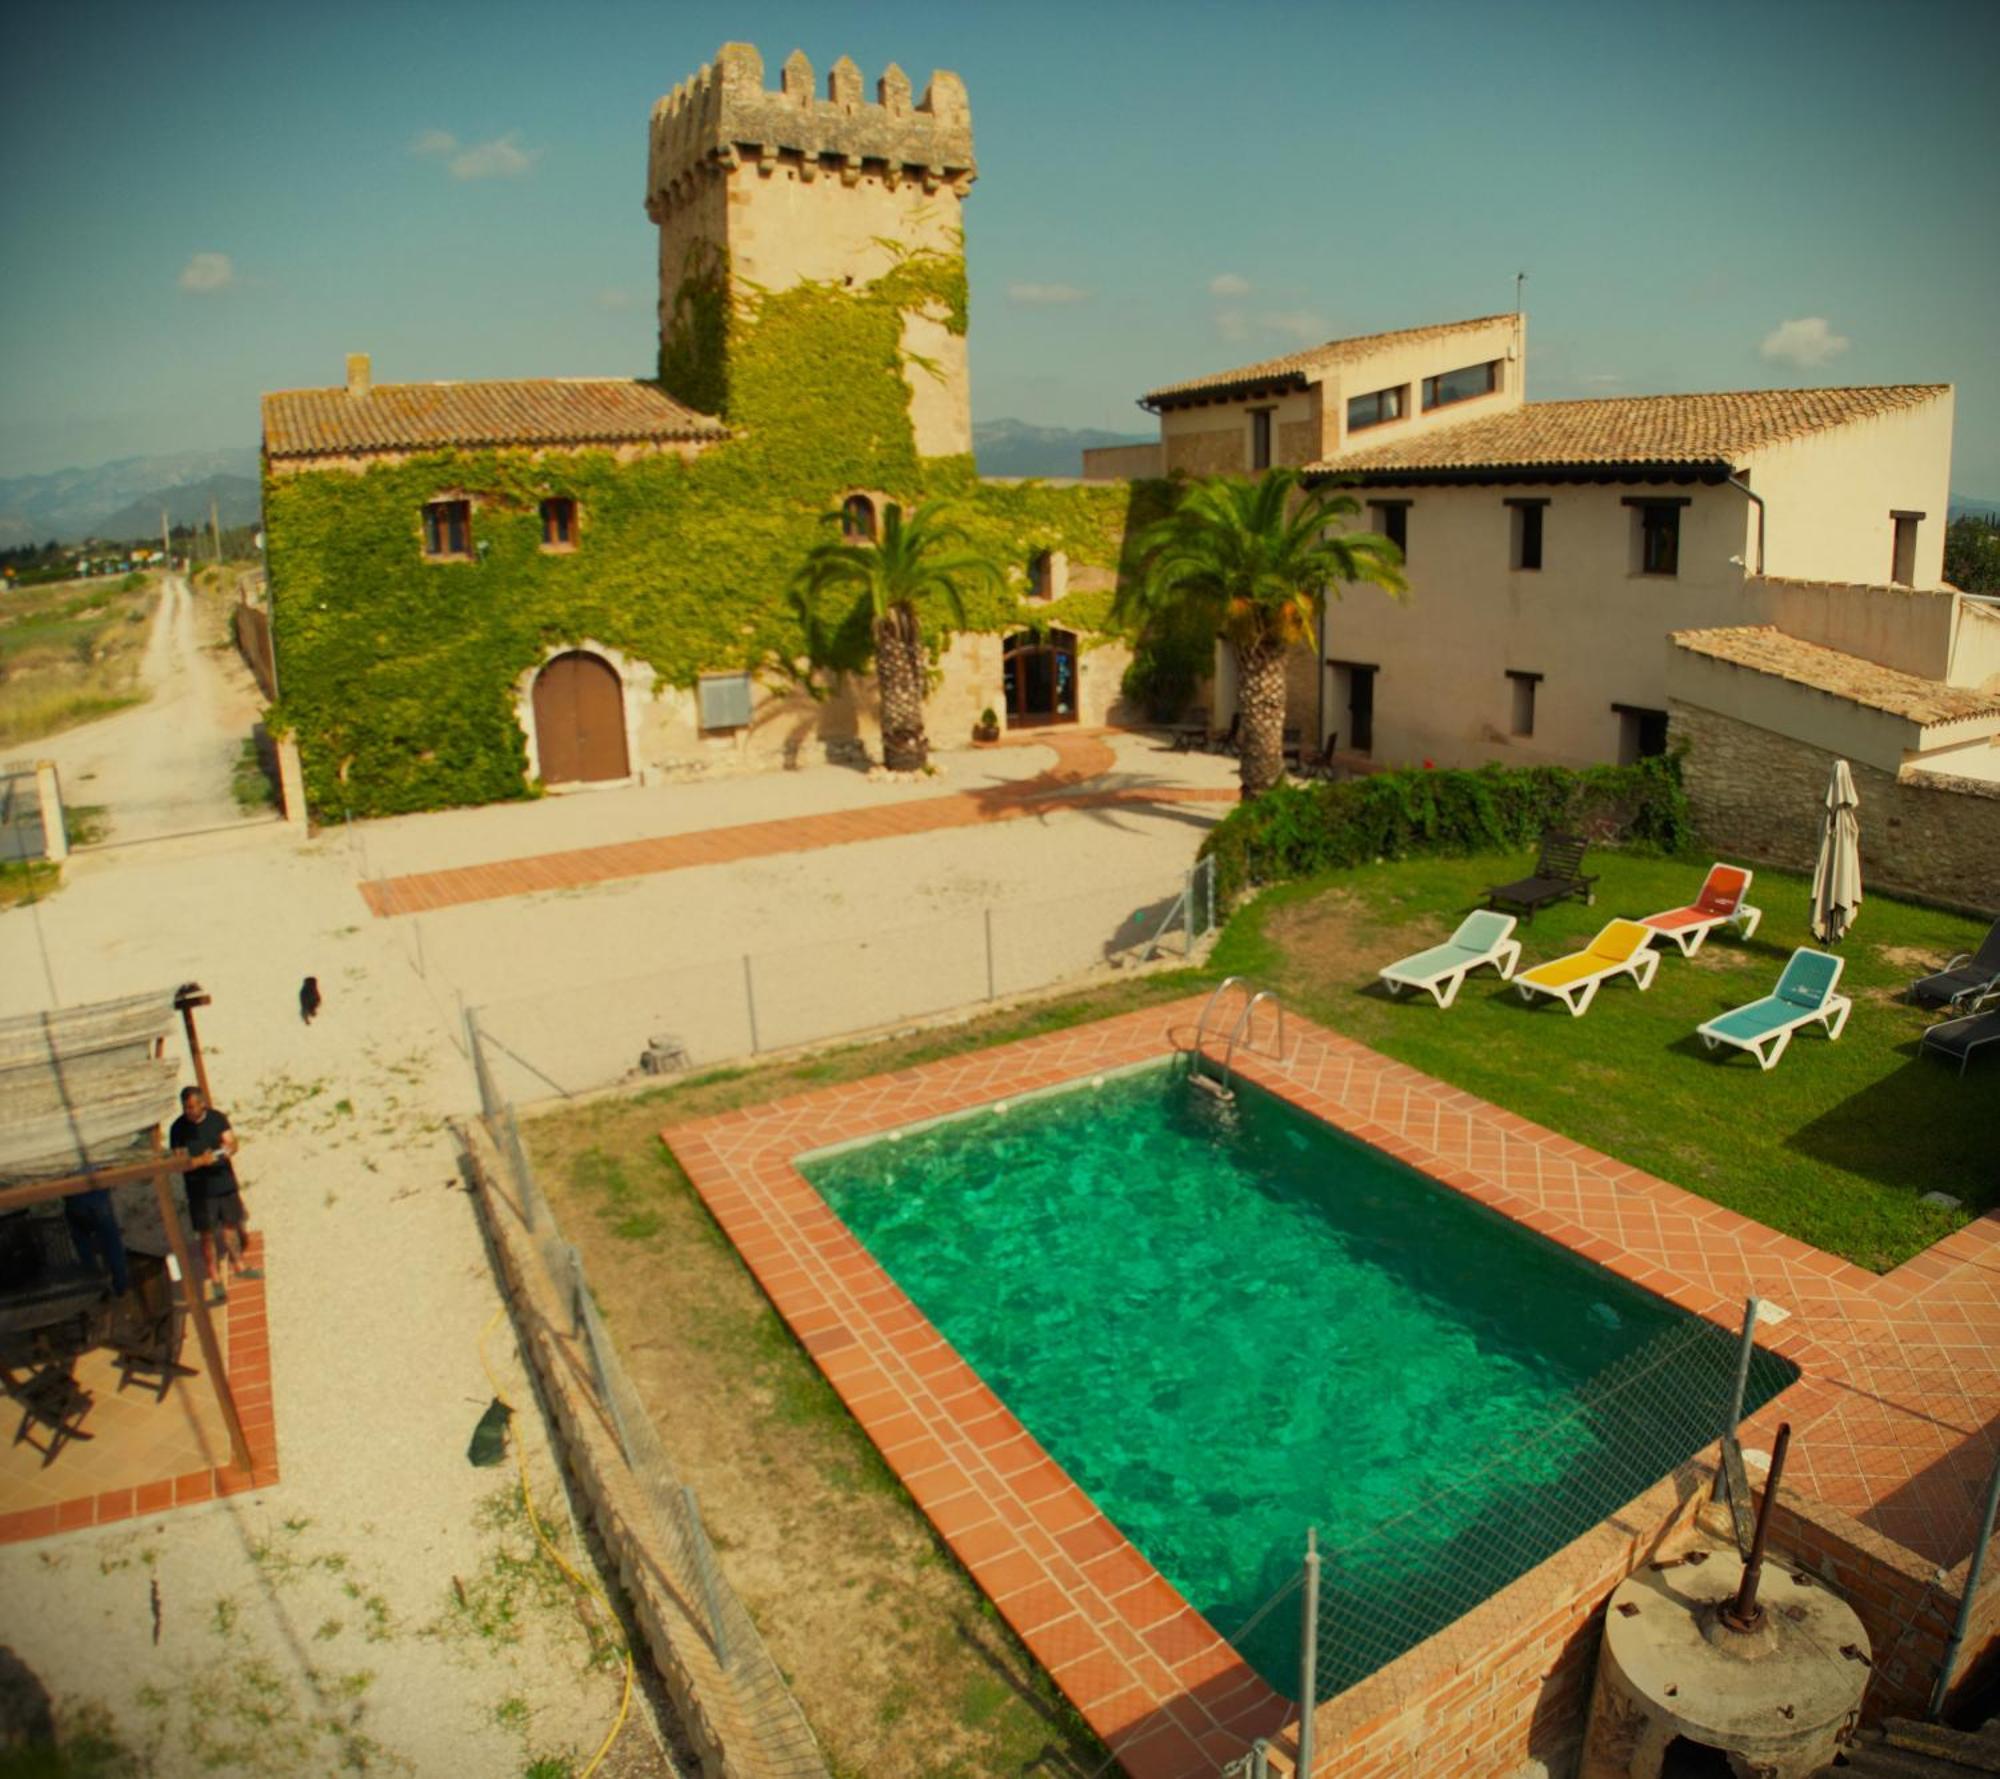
(1836, 1146)
(70, 653)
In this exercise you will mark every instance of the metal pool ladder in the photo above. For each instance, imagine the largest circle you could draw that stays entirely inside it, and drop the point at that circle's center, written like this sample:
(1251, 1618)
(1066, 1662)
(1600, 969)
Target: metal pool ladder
(1241, 1032)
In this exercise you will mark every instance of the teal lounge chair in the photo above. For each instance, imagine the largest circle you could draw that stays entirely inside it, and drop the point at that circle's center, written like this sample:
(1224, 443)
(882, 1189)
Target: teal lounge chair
(1483, 937)
(1804, 994)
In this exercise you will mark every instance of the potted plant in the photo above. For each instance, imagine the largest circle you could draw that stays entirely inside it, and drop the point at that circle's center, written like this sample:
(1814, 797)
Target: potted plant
(987, 730)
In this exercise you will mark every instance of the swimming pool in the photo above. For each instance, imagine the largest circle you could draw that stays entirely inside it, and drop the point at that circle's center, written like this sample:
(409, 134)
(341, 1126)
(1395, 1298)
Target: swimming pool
(1229, 1334)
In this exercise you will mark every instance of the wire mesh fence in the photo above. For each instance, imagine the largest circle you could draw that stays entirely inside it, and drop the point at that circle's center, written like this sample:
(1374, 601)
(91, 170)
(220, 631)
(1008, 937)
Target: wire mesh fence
(1502, 1512)
(577, 1037)
(772, 1738)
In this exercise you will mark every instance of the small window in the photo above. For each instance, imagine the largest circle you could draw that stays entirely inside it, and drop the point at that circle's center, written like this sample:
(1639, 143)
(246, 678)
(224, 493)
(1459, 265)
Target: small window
(1042, 576)
(1523, 687)
(1642, 733)
(1903, 560)
(1462, 384)
(1392, 520)
(559, 523)
(857, 519)
(1657, 535)
(448, 529)
(1526, 523)
(725, 701)
(1376, 407)
(1260, 438)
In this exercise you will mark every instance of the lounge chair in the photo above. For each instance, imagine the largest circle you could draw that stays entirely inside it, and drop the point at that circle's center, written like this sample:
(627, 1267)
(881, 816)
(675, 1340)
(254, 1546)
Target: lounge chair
(1965, 978)
(1225, 743)
(1483, 937)
(1804, 994)
(1969, 1032)
(1623, 948)
(1557, 876)
(1191, 734)
(1720, 904)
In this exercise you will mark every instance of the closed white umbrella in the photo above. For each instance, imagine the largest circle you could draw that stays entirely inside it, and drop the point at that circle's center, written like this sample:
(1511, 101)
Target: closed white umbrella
(1836, 888)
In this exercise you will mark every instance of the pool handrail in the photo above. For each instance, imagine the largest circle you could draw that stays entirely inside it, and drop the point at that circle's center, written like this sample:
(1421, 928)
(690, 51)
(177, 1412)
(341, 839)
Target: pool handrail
(1244, 1027)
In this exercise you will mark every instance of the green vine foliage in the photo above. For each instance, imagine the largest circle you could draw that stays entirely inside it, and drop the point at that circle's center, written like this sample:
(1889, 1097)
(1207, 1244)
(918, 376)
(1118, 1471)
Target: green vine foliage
(1301, 830)
(399, 674)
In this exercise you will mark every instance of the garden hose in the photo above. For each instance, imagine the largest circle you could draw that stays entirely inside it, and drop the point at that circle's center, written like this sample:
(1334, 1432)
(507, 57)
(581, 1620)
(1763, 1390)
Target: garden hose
(587, 1583)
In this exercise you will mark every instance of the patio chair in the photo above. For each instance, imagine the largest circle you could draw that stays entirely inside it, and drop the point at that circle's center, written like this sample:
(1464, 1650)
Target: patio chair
(1969, 1033)
(1483, 937)
(1293, 745)
(1191, 734)
(1967, 977)
(1318, 764)
(1225, 743)
(1623, 948)
(1804, 995)
(149, 1328)
(1558, 875)
(1720, 904)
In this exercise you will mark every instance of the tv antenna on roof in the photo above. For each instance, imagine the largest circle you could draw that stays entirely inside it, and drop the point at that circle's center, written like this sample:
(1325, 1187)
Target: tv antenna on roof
(1520, 278)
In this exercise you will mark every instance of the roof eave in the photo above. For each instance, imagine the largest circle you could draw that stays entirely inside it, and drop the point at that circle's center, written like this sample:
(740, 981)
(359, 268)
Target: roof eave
(1283, 383)
(1708, 470)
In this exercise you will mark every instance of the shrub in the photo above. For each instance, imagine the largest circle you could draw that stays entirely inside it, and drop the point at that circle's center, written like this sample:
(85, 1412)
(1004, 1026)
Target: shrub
(1299, 830)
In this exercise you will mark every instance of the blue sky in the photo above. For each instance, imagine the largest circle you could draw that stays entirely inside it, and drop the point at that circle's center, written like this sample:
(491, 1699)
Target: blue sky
(207, 201)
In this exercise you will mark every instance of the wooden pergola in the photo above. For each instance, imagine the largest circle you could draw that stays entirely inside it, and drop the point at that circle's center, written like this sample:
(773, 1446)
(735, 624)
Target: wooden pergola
(161, 1166)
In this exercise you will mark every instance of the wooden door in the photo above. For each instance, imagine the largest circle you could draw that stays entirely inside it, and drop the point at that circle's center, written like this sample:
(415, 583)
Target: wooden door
(579, 721)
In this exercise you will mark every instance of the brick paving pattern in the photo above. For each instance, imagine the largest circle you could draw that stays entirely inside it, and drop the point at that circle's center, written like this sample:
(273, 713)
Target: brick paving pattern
(148, 1455)
(1899, 1376)
(1081, 757)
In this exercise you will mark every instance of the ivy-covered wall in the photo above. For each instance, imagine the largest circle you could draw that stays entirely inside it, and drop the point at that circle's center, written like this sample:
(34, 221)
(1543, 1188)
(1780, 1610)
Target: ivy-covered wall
(398, 674)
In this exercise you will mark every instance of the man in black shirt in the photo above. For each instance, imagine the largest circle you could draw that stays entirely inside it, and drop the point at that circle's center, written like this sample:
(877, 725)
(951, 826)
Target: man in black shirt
(215, 1202)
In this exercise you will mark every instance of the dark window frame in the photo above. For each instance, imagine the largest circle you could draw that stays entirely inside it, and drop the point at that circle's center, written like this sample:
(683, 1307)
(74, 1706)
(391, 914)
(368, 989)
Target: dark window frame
(1262, 429)
(1526, 533)
(1392, 520)
(1900, 517)
(1648, 723)
(1517, 680)
(1360, 712)
(1435, 396)
(859, 521)
(1401, 391)
(1659, 521)
(448, 530)
(559, 524)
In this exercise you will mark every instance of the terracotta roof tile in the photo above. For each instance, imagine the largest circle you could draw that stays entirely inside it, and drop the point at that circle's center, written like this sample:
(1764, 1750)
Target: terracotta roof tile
(437, 416)
(1634, 429)
(1765, 649)
(1296, 364)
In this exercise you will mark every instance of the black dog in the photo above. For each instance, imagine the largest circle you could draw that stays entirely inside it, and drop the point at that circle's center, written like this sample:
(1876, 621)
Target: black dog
(309, 998)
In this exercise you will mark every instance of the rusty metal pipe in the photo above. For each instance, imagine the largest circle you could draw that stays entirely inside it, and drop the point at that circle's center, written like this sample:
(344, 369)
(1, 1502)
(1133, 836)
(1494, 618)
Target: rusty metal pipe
(1743, 1613)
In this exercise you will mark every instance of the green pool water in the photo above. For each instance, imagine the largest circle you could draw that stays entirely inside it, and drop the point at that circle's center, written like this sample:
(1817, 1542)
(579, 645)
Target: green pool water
(1230, 1328)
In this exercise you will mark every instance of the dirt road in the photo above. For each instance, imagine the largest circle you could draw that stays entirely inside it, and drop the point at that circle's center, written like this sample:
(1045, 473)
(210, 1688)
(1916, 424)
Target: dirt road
(164, 767)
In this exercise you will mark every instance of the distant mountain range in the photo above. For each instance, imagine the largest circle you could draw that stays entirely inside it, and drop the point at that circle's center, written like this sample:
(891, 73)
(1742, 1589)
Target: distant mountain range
(1014, 448)
(121, 501)
(1962, 504)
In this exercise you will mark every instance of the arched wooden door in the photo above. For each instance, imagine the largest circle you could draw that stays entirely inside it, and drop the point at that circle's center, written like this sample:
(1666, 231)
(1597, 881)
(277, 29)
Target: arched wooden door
(1038, 677)
(579, 720)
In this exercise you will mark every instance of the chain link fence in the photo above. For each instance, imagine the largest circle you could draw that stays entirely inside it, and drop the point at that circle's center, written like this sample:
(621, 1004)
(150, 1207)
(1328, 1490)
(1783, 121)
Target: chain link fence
(569, 1040)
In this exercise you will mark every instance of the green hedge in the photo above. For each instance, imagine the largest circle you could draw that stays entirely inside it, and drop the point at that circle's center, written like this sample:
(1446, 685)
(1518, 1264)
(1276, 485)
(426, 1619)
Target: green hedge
(1300, 830)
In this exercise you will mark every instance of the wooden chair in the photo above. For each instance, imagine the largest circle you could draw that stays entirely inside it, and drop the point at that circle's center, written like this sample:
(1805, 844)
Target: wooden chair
(150, 1328)
(1558, 875)
(48, 1396)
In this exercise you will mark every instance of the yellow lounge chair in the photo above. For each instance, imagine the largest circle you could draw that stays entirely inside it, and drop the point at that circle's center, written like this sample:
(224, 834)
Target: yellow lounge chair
(1622, 949)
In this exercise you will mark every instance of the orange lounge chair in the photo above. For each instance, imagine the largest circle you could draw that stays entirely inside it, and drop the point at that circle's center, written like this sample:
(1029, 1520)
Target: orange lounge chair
(1720, 904)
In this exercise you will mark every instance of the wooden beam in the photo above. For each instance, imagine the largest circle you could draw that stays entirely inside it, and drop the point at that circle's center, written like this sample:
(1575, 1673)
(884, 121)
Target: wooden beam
(211, 1351)
(15, 1198)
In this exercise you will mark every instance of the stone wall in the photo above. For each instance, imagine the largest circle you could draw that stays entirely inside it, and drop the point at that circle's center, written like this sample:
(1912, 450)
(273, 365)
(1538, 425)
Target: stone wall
(1220, 451)
(1758, 795)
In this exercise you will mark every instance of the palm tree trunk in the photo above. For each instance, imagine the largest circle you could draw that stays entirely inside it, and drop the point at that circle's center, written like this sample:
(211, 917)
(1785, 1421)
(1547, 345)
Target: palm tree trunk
(1260, 696)
(899, 678)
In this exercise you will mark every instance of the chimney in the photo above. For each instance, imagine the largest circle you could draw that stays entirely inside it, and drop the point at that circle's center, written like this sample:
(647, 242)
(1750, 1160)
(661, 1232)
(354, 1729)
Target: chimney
(359, 380)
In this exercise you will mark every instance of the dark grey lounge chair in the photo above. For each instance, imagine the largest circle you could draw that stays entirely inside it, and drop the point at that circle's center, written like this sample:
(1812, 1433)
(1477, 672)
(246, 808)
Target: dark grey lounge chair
(1964, 978)
(1558, 875)
(1969, 1033)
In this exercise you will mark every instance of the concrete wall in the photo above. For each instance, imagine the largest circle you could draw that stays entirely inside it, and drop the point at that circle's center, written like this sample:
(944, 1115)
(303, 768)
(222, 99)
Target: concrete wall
(1591, 625)
(1894, 626)
(1975, 654)
(1830, 494)
(1759, 794)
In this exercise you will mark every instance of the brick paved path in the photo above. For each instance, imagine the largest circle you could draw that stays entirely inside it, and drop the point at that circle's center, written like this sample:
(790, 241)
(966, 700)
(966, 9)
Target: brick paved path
(1081, 757)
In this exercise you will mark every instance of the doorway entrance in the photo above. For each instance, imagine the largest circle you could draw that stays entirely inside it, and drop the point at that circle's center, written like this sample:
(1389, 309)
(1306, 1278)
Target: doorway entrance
(1354, 686)
(580, 721)
(1038, 671)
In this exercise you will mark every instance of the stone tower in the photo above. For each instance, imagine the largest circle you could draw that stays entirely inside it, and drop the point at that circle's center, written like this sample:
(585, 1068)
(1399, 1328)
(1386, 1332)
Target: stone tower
(755, 189)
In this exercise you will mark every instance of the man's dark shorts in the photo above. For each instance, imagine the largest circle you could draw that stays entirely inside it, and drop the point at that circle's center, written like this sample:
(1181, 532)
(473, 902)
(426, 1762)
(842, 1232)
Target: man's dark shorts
(207, 1209)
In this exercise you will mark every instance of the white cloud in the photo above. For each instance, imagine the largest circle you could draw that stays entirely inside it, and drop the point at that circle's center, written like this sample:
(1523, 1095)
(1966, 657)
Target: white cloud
(611, 297)
(1806, 342)
(502, 158)
(208, 272)
(1231, 325)
(1304, 325)
(435, 142)
(1228, 284)
(1036, 296)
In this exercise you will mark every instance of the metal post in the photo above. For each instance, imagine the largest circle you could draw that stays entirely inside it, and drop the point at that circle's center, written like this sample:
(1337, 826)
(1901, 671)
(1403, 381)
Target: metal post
(1743, 1352)
(1971, 1594)
(578, 1291)
(990, 992)
(1309, 1655)
(750, 999)
(1187, 913)
(477, 1053)
(1260, 1759)
(704, 1568)
(1743, 1613)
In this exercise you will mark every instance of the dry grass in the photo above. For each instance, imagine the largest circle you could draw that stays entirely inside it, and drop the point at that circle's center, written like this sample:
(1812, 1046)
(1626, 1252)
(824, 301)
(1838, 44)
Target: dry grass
(70, 653)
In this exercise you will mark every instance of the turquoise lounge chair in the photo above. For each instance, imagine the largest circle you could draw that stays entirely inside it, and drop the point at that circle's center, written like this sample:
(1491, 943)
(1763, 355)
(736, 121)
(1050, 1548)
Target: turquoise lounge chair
(1483, 937)
(1804, 994)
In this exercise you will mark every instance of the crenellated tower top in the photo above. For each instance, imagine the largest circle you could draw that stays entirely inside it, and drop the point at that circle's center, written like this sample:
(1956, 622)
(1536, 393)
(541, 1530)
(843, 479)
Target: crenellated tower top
(725, 117)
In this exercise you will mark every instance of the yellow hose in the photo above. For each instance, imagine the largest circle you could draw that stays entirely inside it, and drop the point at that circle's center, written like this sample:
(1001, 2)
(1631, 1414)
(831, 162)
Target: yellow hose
(587, 1583)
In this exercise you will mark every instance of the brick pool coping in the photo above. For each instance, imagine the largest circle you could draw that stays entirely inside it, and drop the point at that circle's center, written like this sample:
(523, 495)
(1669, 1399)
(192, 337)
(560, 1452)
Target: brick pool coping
(1899, 1372)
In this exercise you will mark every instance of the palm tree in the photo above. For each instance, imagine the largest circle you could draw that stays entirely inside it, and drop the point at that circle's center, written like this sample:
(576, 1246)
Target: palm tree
(1252, 562)
(924, 558)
